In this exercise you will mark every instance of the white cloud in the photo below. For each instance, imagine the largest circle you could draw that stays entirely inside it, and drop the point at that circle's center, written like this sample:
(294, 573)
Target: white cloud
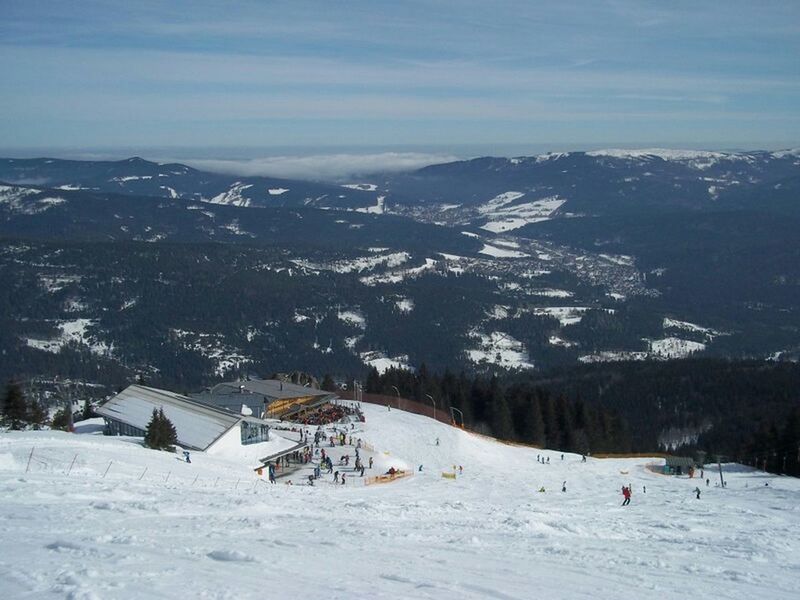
(321, 166)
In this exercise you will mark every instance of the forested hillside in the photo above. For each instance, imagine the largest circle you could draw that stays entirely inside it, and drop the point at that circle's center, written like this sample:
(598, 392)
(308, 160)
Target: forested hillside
(744, 411)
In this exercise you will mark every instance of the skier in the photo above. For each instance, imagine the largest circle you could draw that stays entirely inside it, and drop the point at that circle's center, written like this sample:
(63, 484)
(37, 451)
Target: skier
(644, 489)
(271, 471)
(564, 487)
(362, 470)
(708, 481)
(370, 462)
(336, 477)
(583, 458)
(548, 460)
(541, 489)
(186, 456)
(420, 469)
(437, 441)
(460, 469)
(626, 491)
(697, 491)
(562, 457)
(342, 478)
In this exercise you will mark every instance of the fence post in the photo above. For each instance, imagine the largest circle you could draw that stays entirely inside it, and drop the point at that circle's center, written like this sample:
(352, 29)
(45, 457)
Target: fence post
(195, 479)
(167, 477)
(237, 484)
(107, 468)
(72, 463)
(30, 456)
(143, 472)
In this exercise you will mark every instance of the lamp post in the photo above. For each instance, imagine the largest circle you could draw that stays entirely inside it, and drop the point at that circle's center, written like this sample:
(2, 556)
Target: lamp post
(434, 405)
(454, 410)
(396, 391)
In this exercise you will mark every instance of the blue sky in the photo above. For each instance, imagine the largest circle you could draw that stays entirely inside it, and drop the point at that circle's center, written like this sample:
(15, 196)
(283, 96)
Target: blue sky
(435, 74)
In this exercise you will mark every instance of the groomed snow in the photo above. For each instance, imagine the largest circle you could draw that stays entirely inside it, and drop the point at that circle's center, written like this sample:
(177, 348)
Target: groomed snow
(212, 529)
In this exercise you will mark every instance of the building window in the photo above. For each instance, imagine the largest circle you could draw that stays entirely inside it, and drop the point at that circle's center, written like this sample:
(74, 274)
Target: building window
(254, 433)
(114, 427)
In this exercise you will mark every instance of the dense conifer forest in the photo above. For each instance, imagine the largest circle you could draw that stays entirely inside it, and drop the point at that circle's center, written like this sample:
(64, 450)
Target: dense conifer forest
(744, 411)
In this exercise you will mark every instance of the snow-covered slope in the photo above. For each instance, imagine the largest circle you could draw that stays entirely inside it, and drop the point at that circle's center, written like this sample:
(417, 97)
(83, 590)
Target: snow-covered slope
(212, 529)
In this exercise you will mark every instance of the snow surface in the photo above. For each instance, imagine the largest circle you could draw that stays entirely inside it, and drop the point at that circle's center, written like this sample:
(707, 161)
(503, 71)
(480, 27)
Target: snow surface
(364, 187)
(16, 199)
(353, 317)
(508, 218)
(566, 315)
(360, 263)
(672, 347)
(75, 331)
(404, 305)
(383, 363)
(501, 252)
(378, 209)
(400, 275)
(212, 529)
(499, 348)
(277, 191)
(233, 196)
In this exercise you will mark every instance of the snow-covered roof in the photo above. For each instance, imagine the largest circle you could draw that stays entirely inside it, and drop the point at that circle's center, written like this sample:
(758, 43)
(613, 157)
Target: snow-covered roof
(273, 389)
(198, 425)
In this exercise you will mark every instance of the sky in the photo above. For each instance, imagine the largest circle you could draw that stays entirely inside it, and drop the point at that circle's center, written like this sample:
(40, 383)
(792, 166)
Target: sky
(245, 80)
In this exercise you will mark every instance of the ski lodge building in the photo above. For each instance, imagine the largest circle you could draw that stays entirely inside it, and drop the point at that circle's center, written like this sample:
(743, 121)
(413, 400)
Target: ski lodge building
(268, 398)
(199, 425)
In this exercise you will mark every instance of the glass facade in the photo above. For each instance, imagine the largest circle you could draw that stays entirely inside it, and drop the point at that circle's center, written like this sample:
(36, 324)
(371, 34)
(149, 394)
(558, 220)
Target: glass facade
(253, 433)
(114, 427)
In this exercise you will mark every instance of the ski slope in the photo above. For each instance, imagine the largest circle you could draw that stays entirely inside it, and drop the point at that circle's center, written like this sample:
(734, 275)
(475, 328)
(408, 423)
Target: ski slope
(209, 529)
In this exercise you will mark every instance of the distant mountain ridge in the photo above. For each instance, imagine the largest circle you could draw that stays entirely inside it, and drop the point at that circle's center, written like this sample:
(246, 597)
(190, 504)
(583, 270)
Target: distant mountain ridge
(490, 263)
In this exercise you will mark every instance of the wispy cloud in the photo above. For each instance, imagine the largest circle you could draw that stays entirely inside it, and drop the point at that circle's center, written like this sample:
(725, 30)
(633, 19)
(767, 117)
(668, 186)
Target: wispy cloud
(322, 166)
(207, 72)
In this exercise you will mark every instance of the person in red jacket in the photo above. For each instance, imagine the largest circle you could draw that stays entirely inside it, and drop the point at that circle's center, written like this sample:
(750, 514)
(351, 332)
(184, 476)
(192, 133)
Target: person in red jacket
(626, 491)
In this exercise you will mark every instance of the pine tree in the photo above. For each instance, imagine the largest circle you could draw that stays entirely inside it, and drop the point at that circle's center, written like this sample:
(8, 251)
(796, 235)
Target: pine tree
(37, 416)
(373, 382)
(60, 420)
(502, 424)
(534, 423)
(160, 433)
(328, 384)
(88, 413)
(15, 409)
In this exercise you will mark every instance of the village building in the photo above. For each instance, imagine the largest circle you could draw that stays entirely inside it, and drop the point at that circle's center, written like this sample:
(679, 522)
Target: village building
(679, 465)
(199, 425)
(267, 398)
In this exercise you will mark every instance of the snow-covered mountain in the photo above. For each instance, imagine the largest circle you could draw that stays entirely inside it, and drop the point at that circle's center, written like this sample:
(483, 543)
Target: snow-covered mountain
(522, 263)
(85, 516)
